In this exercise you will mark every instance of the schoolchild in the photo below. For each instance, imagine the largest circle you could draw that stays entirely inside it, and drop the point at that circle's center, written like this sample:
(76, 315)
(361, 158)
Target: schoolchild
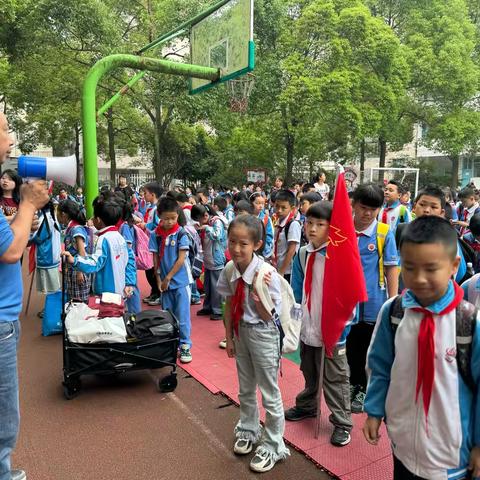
(307, 285)
(185, 205)
(467, 209)
(153, 192)
(431, 201)
(393, 211)
(428, 398)
(47, 240)
(10, 183)
(254, 340)
(142, 203)
(170, 245)
(112, 262)
(229, 213)
(77, 241)
(219, 206)
(378, 254)
(306, 201)
(243, 207)
(258, 202)
(213, 233)
(288, 233)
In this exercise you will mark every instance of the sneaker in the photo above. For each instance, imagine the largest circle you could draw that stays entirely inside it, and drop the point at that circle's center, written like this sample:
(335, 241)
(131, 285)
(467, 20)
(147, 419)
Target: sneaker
(149, 298)
(195, 301)
(262, 461)
(203, 312)
(18, 475)
(242, 446)
(295, 414)
(155, 301)
(185, 354)
(358, 401)
(340, 437)
(216, 316)
(223, 343)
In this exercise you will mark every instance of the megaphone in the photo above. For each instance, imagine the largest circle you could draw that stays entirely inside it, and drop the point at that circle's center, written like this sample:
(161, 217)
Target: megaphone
(59, 169)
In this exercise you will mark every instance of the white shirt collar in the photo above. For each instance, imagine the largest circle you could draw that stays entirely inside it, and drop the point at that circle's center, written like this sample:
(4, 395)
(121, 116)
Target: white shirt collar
(311, 248)
(249, 274)
(368, 232)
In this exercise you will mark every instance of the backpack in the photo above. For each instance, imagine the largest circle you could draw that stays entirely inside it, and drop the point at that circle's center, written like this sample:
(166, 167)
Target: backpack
(194, 257)
(143, 256)
(465, 318)
(288, 321)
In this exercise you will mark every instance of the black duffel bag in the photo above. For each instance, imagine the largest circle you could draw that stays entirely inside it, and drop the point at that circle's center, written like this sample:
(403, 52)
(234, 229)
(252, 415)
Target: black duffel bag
(151, 323)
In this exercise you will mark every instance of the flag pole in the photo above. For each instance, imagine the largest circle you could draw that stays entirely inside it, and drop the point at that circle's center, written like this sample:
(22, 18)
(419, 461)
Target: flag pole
(29, 294)
(319, 394)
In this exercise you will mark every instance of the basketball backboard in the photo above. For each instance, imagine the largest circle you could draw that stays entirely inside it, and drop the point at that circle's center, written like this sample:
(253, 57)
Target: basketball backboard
(224, 40)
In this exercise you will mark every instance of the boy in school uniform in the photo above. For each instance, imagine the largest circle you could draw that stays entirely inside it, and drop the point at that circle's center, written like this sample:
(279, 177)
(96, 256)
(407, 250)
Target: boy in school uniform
(170, 245)
(379, 257)
(421, 384)
(307, 285)
(229, 213)
(467, 209)
(113, 263)
(288, 233)
(393, 211)
(213, 232)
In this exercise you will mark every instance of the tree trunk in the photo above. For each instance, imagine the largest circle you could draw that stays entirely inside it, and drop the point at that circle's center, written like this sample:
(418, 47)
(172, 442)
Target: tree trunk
(455, 164)
(111, 147)
(289, 142)
(362, 160)
(383, 152)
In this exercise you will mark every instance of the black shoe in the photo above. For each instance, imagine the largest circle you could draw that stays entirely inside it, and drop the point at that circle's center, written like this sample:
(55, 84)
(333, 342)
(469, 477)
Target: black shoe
(358, 401)
(216, 316)
(340, 437)
(295, 414)
(203, 312)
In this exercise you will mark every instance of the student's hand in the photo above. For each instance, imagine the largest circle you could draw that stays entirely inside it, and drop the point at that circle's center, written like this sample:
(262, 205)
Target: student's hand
(370, 430)
(267, 278)
(128, 291)
(90, 222)
(35, 193)
(230, 348)
(164, 284)
(474, 465)
(68, 257)
(80, 277)
(35, 224)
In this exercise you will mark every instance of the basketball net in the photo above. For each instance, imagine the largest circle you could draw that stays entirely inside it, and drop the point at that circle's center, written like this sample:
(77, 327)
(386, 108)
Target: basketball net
(239, 91)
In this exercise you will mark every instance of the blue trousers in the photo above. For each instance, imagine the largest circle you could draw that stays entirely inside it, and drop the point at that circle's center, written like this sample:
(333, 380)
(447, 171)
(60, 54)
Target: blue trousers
(133, 303)
(9, 408)
(178, 302)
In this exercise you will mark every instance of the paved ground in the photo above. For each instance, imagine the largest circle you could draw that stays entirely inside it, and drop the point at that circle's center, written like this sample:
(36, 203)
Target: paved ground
(122, 428)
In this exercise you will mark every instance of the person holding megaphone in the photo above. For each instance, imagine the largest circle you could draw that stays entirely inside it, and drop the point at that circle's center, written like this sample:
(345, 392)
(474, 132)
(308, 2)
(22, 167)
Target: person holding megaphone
(13, 241)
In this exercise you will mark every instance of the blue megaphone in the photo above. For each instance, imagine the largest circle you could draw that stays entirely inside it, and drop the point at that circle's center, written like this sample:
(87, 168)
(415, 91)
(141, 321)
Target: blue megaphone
(58, 169)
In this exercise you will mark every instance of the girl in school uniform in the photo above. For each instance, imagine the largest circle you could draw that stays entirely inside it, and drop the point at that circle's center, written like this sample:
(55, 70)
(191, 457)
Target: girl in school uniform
(258, 202)
(254, 340)
(77, 241)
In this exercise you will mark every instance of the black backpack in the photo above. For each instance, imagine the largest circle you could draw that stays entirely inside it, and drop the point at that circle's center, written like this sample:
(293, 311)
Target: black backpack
(470, 256)
(466, 318)
(151, 323)
(303, 238)
(196, 260)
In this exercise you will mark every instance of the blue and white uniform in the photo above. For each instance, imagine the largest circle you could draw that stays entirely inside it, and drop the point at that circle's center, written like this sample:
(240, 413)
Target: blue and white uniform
(368, 247)
(269, 234)
(177, 297)
(442, 452)
(113, 263)
(395, 214)
(229, 214)
(128, 233)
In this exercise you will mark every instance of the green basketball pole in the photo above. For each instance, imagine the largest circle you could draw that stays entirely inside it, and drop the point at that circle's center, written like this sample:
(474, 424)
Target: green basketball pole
(89, 112)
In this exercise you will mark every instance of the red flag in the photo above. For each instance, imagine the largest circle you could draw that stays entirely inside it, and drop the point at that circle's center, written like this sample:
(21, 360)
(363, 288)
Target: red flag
(344, 283)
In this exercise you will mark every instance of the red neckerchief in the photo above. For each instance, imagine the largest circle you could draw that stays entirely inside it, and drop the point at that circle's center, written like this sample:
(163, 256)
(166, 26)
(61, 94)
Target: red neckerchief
(465, 217)
(164, 234)
(385, 214)
(187, 207)
(279, 228)
(426, 350)
(309, 278)
(113, 228)
(147, 213)
(120, 223)
(237, 304)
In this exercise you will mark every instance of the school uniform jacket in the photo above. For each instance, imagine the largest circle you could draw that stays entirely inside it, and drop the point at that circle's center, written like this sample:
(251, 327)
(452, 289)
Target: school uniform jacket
(112, 262)
(440, 451)
(215, 243)
(395, 214)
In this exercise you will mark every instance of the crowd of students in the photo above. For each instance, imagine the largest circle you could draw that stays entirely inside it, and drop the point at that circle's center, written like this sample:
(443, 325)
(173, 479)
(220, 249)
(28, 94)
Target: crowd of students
(433, 422)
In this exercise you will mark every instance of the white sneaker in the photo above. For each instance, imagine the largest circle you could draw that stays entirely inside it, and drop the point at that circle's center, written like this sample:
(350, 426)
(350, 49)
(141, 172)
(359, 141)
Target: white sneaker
(185, 354)
(223, 343)
(18, 475)
(262, 461)
(242, 446)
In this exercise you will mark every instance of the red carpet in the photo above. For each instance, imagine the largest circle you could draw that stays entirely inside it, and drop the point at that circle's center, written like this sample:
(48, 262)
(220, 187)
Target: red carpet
(213, 369)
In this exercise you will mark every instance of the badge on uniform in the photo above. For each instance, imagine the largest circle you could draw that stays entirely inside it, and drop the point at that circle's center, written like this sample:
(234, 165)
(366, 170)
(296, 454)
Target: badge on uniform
(172, 243)
(371, 247)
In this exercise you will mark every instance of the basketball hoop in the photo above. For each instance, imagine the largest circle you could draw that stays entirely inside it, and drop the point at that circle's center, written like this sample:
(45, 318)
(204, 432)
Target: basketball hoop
(239, 91)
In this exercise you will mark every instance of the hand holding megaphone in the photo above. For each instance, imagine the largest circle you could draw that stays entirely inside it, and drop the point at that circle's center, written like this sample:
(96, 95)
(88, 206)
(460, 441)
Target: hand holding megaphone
(35, 193)
(58, 169)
